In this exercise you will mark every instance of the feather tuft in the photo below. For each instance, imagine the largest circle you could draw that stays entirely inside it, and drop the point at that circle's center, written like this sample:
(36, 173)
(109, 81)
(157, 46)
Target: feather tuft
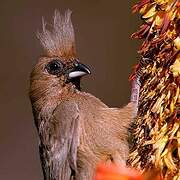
(58, 39)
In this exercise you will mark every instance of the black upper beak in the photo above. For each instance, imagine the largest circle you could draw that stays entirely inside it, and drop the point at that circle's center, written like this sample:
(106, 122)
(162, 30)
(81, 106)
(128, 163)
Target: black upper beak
(79, 70)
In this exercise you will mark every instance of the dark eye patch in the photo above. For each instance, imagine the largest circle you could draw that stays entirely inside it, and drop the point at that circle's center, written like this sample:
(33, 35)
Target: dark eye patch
(54, 67)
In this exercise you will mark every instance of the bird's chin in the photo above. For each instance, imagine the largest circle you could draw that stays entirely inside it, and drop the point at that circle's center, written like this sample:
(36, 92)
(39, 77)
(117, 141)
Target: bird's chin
(76, 82)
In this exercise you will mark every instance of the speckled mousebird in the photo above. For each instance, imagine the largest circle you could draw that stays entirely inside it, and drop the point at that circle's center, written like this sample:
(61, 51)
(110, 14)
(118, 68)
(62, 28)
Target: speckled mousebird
(76, 129)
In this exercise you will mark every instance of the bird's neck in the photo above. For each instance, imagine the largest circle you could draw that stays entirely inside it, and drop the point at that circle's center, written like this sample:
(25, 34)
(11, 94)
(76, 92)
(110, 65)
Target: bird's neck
(49, 100)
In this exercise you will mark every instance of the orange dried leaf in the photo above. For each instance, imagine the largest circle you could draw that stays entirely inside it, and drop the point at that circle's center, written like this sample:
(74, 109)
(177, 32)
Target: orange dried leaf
(114, 172)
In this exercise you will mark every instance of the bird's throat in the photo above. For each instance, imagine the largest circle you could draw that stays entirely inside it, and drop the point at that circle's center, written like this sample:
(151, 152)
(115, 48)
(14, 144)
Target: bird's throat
(77, 83)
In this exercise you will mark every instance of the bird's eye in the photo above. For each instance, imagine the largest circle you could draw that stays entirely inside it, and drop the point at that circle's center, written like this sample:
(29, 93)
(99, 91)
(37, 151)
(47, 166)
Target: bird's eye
(54, 67)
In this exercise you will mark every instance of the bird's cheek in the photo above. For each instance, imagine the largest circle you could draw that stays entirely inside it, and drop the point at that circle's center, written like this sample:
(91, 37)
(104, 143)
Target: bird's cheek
(63, 78)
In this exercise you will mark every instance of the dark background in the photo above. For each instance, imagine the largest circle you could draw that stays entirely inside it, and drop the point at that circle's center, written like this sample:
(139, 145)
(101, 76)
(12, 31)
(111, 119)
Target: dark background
(102, 28)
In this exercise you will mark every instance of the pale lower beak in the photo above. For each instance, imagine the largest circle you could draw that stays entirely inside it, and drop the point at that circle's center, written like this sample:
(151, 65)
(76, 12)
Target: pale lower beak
(79, 70)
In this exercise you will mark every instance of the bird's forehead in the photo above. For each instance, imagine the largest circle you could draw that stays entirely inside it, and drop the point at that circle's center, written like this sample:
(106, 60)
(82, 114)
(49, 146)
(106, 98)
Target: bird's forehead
(65, 61)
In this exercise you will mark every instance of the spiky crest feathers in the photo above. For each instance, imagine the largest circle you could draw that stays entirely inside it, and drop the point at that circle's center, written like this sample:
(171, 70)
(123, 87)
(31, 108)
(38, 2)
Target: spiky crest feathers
(59, 39)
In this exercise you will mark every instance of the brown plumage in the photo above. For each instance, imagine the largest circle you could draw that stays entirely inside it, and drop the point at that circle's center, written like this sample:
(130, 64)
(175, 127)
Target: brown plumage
(76, 129)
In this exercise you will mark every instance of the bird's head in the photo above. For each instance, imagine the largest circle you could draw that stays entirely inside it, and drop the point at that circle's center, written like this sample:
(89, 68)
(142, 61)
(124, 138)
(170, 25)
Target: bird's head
(59, 68)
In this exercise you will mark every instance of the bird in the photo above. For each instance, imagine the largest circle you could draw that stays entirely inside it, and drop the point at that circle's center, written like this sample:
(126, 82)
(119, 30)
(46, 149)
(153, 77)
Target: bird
(76, 129)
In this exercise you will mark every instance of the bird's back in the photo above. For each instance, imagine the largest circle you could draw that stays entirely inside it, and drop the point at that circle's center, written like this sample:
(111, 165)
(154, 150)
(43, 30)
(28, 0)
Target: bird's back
(103, 133)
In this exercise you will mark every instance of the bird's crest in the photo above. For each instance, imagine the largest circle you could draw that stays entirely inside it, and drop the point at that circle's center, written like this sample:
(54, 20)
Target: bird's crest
(59, 39)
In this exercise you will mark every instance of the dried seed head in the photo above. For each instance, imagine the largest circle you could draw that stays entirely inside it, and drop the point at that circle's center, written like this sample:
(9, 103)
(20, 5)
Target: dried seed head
(160, 92)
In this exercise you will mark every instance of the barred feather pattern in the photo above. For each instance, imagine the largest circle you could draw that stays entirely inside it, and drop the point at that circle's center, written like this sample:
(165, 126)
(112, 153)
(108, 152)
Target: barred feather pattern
(59, 39)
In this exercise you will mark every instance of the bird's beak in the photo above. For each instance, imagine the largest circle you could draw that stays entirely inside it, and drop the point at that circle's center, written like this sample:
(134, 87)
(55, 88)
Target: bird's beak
(79, 70)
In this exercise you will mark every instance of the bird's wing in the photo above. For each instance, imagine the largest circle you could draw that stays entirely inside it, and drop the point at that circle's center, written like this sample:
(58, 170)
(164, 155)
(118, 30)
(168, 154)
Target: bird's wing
(66, 140)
